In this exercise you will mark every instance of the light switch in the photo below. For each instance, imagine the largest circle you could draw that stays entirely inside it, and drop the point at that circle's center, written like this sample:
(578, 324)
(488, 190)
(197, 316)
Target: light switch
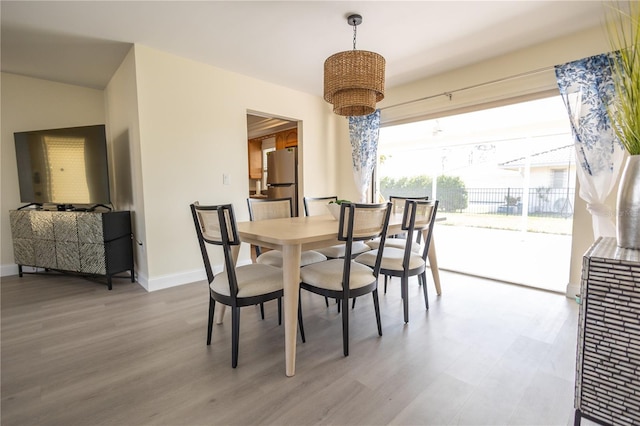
(226, 179)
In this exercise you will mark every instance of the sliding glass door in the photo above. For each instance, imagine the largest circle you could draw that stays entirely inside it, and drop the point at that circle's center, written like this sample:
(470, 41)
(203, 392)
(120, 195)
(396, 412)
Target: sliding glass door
(505, 181)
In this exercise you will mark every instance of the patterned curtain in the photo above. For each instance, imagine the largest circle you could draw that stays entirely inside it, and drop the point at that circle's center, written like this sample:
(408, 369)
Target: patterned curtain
(586, 86)
(364, 132)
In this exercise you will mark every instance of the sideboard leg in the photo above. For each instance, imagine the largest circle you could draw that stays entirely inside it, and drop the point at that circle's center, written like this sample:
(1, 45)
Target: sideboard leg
(20, 271)
(576, 418)
(133, 277)
(109, 282)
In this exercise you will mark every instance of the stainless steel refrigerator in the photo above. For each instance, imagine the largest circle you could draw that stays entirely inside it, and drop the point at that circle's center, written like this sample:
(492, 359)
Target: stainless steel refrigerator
(282, 175)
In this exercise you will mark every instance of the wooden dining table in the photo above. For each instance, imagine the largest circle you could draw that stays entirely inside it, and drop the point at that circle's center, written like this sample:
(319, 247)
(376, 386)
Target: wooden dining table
(292, 236)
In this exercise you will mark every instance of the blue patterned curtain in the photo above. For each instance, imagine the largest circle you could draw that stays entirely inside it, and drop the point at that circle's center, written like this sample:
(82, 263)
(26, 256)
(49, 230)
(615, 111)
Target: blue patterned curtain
(586, 86)
(364, 132)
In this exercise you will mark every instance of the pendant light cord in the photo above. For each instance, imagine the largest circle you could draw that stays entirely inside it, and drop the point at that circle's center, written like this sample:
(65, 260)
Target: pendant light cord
(355, 26)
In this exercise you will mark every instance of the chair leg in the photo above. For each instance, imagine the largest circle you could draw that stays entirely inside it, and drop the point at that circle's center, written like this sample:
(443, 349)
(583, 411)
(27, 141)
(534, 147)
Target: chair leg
(235, 335)
(279, 310)
(353, 303)
(262, 310)
(385, 284)
(376, 306)
(212, 308)
(326, 301)
(300, 323)
(424, 289)
(339, 304)
(405, 298)
(345, 326)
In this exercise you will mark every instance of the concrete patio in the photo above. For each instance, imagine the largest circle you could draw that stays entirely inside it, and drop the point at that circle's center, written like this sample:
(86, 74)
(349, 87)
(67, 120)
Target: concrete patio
(532, 259)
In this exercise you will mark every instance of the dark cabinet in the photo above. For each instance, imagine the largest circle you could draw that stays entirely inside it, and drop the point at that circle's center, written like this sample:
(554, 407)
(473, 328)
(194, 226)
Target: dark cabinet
(95, 243)
(608, 355)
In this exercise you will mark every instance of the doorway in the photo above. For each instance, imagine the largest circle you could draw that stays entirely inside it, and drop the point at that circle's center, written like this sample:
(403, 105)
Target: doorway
(267, 133)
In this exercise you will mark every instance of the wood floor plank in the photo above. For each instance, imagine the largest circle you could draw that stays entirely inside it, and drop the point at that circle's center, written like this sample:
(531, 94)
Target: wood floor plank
(73, 352)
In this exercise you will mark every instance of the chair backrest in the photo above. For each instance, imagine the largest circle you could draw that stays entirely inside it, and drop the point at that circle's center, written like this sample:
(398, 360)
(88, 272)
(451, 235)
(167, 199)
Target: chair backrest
(398, 202)
(217, 225)
(363, 222)
(419, 216)
(276, 208)
(317, 206)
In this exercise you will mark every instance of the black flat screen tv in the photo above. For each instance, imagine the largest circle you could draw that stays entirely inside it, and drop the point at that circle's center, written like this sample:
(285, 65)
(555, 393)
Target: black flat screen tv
(63, 166)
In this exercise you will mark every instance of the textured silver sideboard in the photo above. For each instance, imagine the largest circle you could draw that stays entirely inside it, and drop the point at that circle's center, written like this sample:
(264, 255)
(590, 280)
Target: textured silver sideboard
(608, 356)
(96, 243)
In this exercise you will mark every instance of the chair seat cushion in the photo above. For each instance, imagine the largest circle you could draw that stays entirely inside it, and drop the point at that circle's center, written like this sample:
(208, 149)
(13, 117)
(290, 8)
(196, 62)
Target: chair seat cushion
(391, 259)
(253, 280)
(274, 258)
(328, 275)
(400, 243)
(337, 251)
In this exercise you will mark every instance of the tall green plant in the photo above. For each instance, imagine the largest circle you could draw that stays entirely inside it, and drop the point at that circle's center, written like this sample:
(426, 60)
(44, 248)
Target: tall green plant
(624, 35)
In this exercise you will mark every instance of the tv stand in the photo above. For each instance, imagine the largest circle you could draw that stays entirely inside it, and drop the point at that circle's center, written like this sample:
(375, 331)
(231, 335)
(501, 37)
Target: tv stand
(89, 243)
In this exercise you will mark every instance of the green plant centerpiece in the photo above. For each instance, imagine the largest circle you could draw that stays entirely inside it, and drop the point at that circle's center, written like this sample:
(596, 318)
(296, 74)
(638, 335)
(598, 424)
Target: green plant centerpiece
(624, 35)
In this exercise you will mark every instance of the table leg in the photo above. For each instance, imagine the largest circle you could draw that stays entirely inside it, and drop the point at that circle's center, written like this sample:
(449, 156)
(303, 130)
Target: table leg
(291, 276)
(220, 308)
(433, 264)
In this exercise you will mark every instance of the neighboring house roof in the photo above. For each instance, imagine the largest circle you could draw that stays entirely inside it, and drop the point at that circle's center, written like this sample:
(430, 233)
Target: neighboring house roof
(553, 157)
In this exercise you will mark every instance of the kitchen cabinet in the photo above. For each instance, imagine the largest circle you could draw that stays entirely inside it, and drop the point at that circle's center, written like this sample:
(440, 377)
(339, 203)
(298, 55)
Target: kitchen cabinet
(284, 139)
(255, 159)
(287, 139)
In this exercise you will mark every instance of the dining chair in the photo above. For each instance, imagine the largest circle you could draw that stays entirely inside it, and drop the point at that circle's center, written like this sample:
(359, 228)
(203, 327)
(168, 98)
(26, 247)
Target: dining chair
(276, 208)
(235, 287)
(344, 278)
(316, 206)
(397, 207)
(399, 240)
(418, 216)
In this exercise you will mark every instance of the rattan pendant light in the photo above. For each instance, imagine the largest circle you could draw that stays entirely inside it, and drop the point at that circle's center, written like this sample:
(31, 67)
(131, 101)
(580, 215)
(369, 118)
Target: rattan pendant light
(354, 79)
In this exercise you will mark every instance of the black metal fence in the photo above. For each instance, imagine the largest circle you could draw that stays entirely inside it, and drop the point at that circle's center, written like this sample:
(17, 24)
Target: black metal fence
(542, 201)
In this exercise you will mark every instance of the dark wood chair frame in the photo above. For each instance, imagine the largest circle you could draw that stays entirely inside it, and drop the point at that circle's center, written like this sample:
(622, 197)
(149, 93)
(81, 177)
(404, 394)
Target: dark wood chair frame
(403, 234)
(345, 233)
(305, 201)
(409, 226)
(252, 201)
(229, 237)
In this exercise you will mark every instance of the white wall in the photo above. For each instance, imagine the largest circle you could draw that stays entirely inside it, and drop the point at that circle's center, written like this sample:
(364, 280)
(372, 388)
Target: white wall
(33, 104)
(192, 126)
(124, 135)
(174, 127)
(534, 65)
(540, 57)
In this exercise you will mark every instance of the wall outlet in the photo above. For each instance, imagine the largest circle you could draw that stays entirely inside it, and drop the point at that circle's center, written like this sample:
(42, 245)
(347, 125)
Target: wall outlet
(226, 179)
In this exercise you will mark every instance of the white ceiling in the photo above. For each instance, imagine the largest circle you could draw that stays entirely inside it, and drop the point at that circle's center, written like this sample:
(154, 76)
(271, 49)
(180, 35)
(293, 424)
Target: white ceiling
(284, 42)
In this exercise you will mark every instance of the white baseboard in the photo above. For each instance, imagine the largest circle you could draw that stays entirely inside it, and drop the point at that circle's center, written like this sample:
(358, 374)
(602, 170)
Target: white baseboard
(572, 290)
(153, 284)
(173, 280)
(8, 270)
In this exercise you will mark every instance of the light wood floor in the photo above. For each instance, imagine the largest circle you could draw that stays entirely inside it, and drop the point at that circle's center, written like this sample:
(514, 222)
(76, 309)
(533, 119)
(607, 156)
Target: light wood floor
(486, 353)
